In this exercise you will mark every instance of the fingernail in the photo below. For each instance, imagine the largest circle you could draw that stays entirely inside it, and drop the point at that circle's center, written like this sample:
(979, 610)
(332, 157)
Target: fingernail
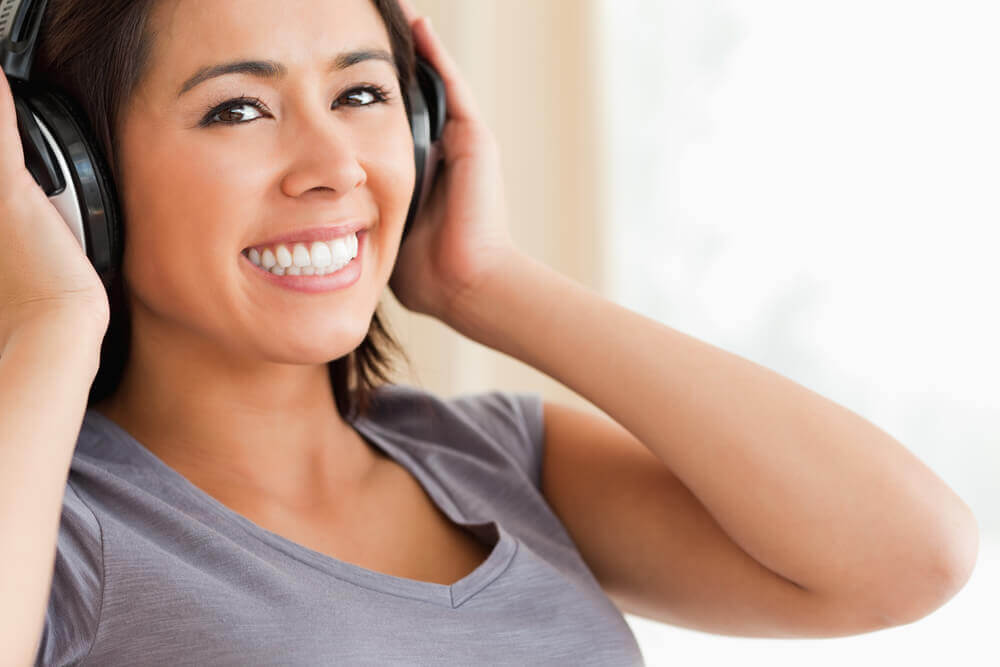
(427, 23)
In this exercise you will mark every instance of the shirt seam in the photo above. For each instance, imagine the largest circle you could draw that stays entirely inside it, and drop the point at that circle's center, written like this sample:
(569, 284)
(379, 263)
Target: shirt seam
(100, 610)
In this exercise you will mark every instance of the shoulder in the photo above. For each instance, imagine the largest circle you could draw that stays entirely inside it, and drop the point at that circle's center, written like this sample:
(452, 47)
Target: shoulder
(504, 421)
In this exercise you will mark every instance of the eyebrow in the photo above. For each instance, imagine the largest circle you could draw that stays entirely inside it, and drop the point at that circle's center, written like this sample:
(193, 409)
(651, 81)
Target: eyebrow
(269, 69)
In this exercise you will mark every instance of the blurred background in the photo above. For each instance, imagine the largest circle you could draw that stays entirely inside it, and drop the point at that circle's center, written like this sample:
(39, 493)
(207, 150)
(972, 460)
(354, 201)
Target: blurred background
(812, 186)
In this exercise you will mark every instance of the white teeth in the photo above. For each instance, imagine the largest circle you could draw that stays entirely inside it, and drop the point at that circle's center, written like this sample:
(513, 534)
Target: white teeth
(300, 256)
(319, 258)
(343, 250)
(319, 255)
(283, 256)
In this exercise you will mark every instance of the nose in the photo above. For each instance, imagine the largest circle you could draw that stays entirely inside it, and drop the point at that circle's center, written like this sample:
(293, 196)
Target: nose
(326, 157)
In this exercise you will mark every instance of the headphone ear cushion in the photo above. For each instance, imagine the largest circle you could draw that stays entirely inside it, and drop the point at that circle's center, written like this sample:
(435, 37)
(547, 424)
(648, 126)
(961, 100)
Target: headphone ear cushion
(432, 87)
(96, 195)
(428, 109)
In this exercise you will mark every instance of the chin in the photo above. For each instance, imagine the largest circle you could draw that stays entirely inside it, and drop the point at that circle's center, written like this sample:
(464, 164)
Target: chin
(309, 354)
(315, 345)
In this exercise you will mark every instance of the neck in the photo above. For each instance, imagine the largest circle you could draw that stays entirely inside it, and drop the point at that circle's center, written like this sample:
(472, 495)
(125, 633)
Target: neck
(256, 432)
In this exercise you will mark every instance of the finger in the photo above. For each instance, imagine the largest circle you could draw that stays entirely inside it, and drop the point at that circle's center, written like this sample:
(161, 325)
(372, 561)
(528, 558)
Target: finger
(461, 104)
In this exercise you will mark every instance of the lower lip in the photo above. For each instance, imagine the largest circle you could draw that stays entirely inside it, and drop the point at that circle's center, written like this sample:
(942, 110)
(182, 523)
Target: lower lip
(345, 277)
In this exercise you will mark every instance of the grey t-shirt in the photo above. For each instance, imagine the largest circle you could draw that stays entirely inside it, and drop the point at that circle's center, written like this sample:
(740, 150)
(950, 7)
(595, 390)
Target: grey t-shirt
(151, 570)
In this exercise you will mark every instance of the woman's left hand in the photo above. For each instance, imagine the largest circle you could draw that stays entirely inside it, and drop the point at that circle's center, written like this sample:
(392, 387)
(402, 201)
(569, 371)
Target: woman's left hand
(460, 235)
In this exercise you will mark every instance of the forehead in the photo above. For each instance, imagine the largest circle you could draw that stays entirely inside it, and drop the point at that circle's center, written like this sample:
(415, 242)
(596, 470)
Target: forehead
(190, 34)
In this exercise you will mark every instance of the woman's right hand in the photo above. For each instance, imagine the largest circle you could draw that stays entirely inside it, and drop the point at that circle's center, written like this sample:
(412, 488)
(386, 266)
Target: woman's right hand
(43, 270)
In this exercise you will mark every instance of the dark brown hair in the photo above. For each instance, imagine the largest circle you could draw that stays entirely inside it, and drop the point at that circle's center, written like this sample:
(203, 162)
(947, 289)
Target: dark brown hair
(97, 53)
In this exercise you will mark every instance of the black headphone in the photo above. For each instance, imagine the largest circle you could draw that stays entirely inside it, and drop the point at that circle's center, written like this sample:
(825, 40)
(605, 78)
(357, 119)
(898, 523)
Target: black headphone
(64, 158)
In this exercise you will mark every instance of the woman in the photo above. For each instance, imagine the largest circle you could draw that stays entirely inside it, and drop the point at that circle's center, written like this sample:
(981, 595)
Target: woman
(226, 503)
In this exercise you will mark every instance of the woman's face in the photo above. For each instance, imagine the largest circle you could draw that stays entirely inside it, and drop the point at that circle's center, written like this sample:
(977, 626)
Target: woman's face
(196, 191)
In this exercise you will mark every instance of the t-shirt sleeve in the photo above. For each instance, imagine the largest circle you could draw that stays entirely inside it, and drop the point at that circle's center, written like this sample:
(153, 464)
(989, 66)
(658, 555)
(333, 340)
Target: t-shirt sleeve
(77, 586)
(514, 419)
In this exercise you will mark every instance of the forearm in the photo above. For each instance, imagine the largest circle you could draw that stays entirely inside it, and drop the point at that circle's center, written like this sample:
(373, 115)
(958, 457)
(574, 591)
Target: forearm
(808, 488)
(46, 369)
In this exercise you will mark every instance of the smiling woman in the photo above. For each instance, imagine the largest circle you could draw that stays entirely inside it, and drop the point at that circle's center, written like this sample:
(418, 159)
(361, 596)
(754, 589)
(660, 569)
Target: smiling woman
(233, 496)
(238, 471)
(103, 54)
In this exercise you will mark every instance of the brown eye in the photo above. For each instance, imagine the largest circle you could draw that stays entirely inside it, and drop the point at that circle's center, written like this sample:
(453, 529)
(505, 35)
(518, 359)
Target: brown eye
(374, 93)
(237, 111)
(233, 112)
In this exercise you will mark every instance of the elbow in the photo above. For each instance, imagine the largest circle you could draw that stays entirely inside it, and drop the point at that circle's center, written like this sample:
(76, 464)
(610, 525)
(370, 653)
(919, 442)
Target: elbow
(961, 549)
(963, 552)
(954, 559)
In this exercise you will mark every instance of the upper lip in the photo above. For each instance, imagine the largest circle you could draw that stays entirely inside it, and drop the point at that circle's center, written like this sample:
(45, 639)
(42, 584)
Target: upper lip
(324, 233)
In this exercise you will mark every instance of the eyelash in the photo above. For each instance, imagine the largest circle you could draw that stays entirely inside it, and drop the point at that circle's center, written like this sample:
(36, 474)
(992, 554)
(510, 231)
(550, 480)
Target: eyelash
(380, 94)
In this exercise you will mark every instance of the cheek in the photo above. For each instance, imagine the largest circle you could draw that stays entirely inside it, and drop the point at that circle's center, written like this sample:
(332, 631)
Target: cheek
(390, 166)
(392, 174)
(183, 199)
(175, 209)
(391, 180)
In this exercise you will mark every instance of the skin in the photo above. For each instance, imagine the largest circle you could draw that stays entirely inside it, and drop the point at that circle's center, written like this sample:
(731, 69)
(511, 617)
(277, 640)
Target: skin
(227, 379)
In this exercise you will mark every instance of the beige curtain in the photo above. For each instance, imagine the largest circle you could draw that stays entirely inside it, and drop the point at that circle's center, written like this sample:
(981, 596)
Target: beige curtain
(530, 65)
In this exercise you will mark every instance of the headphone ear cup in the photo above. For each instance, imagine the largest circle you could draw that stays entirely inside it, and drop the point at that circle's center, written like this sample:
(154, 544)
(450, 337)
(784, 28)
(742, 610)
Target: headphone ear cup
(87, 198)
(428, 110)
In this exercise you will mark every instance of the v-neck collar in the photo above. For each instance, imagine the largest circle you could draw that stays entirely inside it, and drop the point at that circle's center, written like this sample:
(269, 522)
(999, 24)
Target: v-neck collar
(448, 595)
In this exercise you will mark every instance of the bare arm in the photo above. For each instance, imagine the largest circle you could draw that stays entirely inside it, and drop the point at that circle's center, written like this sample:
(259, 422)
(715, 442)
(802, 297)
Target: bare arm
(809, 489)
(46, 369)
